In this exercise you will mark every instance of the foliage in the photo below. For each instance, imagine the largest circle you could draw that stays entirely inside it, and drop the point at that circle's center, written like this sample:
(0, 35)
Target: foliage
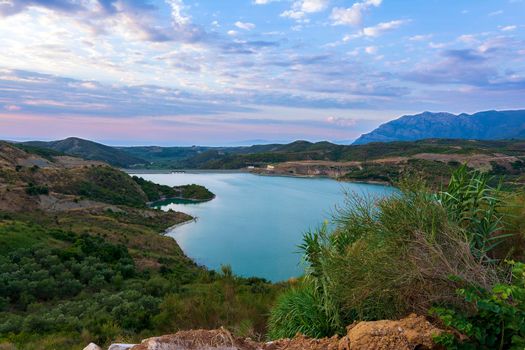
(109, 185)
(473, 204)
(393, 256)
(60, 290)
(34, 190)
(196, 192)
(46, 153)
(299, 310)
(434, 172)
(154, 191)
(498, 319)
(77, 147)
(239, 157)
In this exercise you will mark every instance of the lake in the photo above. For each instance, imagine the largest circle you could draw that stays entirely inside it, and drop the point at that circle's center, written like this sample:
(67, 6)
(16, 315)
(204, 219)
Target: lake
(256, 222)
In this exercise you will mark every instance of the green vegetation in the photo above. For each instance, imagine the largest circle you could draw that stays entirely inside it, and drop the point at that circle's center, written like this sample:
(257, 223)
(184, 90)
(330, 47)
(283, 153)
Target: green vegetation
(418, 251)
(497, 323)
(196, 192)
(434, 172)
(109, 185)
(85, 149)
(34, 190)
(60, 290)
(156, 192)
(260, 155)
(39, 151)
(104, 272)
(197, 157)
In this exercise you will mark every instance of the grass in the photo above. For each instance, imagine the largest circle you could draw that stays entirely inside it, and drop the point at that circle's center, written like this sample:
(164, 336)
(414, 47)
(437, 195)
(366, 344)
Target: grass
(404, 254)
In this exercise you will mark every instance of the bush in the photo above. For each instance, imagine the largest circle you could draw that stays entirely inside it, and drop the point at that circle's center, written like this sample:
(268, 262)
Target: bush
(498, 319)
(390, 257)
(299, 310)
(35, 190)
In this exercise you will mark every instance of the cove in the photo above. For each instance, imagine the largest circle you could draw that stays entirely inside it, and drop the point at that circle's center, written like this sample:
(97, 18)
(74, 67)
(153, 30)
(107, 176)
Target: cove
(255, 223)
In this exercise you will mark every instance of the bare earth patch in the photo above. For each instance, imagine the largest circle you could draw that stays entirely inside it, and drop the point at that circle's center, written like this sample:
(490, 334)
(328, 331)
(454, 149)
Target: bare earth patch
(412, 332)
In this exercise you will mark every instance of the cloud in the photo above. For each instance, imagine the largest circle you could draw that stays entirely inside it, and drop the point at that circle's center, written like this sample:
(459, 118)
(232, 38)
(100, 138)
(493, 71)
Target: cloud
(464, 67)
(12, 7)
(421, 37)
(377, 30)
(12, 108)
(245, 25)
(383, 27)
(352, 15)
(496, 13)
(341, 122)
(508, 28)
(371, 50)
(143, 19)
(300, 8)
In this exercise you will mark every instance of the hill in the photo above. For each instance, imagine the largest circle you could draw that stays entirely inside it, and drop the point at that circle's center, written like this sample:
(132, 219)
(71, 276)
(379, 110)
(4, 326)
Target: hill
(89, 150)
(488, 125)
(376, 161)
(84, 259)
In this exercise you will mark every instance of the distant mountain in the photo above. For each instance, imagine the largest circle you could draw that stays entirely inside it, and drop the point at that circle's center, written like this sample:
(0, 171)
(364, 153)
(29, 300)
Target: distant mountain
(90, 150)
(489, 125)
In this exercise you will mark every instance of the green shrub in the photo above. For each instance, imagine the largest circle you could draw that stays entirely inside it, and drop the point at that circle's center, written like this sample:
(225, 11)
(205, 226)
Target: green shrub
(35, 190)
(472, 203)
(197, 192)
(299, 310)
(498, 319)
(390, 257)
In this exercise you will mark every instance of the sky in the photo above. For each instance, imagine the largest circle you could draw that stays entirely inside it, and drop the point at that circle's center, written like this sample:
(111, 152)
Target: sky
(221, 72)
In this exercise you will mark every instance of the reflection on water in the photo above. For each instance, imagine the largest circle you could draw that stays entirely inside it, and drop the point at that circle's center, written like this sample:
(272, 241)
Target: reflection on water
(255, 222)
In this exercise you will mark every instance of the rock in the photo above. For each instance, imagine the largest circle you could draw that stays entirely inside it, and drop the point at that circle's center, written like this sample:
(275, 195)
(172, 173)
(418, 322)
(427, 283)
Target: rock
(121, 346)
(412, 332)
(92, 346)
(198, 340)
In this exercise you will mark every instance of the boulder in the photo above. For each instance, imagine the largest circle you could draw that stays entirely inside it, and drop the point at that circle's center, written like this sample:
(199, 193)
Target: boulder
(412, 332)
(219, 339)
(92, 346)
(121, 346)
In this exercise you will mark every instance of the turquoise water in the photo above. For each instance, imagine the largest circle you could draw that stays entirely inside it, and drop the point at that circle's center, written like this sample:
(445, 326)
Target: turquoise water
(256, 222)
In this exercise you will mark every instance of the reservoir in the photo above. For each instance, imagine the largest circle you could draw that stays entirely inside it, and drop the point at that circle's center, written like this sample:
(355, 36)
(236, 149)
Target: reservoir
(255, 223)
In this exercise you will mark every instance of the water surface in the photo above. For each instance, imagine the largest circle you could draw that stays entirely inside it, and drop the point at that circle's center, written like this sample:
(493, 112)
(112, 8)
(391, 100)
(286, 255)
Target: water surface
(256, 222)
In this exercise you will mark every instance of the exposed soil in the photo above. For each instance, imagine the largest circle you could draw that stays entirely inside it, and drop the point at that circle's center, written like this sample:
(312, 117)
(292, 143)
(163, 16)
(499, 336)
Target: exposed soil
(333, 169)
(412, 332)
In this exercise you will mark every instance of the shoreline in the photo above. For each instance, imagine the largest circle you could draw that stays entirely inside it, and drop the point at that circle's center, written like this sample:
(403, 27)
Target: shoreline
(249, 171)
(193, 200)
(172, 228)
(304, 176)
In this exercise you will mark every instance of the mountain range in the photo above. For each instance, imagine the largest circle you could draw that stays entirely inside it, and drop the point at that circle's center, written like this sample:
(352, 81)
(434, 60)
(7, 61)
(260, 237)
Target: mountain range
(488, 125)
(412, 134)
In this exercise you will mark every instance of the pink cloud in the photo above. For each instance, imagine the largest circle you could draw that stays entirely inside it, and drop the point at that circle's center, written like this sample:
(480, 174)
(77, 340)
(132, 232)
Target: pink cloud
(150, 130)
(12, 108)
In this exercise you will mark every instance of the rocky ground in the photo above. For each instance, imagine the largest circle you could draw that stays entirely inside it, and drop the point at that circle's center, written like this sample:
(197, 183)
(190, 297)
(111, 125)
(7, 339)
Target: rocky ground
(337, 169)
(412, 332)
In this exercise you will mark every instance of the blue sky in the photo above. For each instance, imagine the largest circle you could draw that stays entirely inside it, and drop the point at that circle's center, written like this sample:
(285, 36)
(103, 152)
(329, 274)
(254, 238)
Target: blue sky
(179, 72)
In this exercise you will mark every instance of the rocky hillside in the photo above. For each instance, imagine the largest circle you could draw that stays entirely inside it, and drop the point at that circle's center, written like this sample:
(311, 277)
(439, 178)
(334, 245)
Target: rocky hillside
(90, 150)
(488, 125)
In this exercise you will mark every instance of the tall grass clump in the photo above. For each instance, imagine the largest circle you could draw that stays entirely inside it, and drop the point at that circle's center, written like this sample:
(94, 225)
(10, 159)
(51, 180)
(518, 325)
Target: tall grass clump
(406, 253)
